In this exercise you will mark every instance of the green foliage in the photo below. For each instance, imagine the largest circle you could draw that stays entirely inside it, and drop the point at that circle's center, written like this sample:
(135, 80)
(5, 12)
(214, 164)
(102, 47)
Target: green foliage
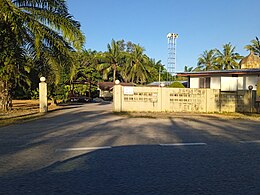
(188, 69)
(111, 60)
(176, 84)
(157, 71)
(14, 65)
(228, 58)
(86, 70)
(254, 46)
(128, 62)
(40, 33)
(216, 59)
(35, 94)
(207, 61)
(58, 92)
(137, 68)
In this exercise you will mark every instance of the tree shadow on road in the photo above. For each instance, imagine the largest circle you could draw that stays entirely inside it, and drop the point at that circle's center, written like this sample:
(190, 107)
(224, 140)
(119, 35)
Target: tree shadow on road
(136, 163)
(142, 169)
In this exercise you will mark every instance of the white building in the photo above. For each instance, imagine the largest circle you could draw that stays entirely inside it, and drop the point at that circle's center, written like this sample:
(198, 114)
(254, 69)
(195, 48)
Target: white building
(228, 80)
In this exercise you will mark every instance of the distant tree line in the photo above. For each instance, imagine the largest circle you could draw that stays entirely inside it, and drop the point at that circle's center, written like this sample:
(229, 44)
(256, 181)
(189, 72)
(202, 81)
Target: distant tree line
(224, 59)
(127, 62)
(123, 61)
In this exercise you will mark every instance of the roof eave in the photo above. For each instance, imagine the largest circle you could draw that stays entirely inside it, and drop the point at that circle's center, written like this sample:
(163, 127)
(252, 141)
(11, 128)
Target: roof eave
(223, 72)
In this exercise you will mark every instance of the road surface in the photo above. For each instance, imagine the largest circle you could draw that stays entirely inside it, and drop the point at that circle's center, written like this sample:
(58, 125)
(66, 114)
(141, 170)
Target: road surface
(86, 149)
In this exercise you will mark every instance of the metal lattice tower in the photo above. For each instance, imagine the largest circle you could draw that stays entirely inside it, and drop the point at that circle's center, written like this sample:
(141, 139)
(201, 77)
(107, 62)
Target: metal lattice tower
(171, 61)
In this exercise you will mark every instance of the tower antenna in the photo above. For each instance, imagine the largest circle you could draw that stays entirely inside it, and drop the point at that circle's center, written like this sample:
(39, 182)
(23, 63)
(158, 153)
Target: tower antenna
(171, 61)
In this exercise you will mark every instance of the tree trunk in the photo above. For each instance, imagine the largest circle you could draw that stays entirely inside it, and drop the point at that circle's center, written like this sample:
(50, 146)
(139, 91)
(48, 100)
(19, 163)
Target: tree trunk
(5, 98)
(89, 90)
(114, 73)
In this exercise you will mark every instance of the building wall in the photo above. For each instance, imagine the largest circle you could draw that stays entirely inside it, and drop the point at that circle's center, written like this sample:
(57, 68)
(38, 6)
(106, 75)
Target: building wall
(228, 83)
(158, 99)
(215, 82)
(251, 80)
(241, 83)
(194, 82)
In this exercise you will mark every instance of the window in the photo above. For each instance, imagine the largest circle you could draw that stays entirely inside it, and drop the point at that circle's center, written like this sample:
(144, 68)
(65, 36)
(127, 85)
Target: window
(229, 83)
(204, 82)
(201, 83)
(207, 83)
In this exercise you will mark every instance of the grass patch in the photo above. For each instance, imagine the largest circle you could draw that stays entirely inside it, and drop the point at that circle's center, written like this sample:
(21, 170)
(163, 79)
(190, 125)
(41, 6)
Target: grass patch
(19, 119)
(22, 111)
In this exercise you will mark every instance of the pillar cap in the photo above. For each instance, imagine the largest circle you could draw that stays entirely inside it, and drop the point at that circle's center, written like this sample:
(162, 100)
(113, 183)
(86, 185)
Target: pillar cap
(42, 79)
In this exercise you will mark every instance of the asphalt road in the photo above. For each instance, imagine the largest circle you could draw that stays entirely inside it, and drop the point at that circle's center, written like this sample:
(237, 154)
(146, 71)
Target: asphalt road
(86, 149)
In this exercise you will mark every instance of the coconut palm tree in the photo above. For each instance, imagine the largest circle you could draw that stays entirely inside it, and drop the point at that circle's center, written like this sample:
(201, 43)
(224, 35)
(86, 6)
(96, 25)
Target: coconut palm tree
(137, 67)
(188, 69)
(207, 61)
(88, 67)
(111, 60)
(228, 58)
(156, 70)
(254, 46)
(43, 27)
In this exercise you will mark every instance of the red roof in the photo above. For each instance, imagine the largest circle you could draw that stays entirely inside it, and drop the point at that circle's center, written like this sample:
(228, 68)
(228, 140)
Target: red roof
(255, 71)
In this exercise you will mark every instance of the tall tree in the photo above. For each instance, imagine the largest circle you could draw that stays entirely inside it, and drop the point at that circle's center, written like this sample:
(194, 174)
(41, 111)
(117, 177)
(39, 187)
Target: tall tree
(254, 46)
(42, 26)
(157, 71)
(88, 67)
(188, 69)
(207, 61)
(111, 60)
(228, 58)
(137, 67)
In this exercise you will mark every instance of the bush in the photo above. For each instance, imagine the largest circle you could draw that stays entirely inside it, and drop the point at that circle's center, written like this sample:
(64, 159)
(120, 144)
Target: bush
(35, 94)
(176, 84)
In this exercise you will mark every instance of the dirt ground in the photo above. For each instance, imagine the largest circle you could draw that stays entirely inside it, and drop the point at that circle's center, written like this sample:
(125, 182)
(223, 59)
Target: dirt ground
(23, 110)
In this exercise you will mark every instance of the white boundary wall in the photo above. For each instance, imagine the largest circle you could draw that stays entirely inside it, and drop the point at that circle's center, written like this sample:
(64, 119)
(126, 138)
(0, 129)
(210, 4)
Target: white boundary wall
(158, 99)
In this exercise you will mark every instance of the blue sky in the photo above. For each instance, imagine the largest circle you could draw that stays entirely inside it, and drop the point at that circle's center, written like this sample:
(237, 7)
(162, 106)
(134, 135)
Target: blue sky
(201, 25)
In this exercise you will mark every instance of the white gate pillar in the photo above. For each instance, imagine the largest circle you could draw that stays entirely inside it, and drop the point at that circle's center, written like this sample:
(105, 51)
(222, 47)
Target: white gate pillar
(43, 100)
(117, 97)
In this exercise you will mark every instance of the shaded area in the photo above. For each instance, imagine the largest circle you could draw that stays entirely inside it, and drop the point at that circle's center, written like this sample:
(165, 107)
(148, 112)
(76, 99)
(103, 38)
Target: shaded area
(146, 170)
(136, 164)
(26, 111)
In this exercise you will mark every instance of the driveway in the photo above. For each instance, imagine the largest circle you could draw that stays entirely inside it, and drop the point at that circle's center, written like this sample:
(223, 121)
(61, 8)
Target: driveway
(87, 149)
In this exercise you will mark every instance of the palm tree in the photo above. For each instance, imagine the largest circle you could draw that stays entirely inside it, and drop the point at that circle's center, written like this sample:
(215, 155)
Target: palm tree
(188, 69)
(111, 60)
(137, 67)
(207, 61)
(157, 71)
(255, 46)
(43, 27)
(228, 58)
(88, 67)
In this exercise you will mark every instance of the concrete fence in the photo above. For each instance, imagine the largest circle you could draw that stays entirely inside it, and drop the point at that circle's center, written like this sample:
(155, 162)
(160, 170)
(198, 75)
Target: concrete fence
(158, 99)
